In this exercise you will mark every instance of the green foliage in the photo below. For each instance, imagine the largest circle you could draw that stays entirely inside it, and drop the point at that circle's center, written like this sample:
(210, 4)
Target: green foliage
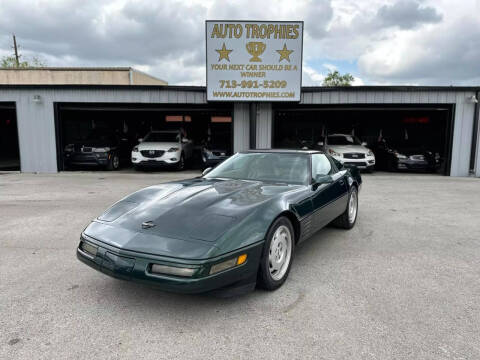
(10, 62)
(334, 78)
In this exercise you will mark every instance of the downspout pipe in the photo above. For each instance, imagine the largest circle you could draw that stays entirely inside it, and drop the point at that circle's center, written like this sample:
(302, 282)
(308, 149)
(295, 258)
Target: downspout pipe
(253, 125)
(473, 151)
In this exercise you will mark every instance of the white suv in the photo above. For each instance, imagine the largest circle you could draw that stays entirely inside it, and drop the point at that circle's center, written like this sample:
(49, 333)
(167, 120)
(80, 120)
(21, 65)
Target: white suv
(349, 151)
(162, 148)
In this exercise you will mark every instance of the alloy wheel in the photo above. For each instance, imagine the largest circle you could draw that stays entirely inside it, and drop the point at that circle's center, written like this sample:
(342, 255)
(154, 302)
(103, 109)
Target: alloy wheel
(280, 252)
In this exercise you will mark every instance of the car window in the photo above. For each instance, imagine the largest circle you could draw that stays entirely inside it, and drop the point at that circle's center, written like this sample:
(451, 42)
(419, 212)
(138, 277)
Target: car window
(162, 137)
(343, 140)
(274, 167)
(320, 165)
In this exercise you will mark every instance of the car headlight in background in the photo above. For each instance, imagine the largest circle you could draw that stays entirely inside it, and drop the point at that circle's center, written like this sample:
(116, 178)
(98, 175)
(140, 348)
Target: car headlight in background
(399, 156)
(225, 265)
(334, 153)
(370, 152)
(69, 148)
(102, 149)
(173, 149)
(135, 149)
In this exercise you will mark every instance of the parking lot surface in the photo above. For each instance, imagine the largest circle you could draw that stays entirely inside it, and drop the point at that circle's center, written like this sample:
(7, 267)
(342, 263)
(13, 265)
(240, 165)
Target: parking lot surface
(403, 284)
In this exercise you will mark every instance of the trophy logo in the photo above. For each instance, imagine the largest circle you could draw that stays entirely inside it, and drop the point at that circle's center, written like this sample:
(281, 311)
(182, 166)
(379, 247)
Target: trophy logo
(256, 48)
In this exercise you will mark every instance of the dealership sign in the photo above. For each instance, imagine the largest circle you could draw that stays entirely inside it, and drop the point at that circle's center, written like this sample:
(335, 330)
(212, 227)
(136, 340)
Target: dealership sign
(254, 60)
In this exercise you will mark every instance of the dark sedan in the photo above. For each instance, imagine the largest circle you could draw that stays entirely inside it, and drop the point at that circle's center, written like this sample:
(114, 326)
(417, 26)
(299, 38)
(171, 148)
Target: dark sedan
(230, 229)
(402, 155)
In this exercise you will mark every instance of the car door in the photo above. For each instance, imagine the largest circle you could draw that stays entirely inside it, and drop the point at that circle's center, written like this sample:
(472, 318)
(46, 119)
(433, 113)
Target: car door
(329, 199)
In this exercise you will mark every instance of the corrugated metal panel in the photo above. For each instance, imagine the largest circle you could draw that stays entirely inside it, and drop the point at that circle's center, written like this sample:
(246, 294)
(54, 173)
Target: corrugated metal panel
(264, 126)
(241, 127)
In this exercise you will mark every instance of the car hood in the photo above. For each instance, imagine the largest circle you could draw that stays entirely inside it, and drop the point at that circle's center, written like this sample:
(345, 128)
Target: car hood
(188, 217)
(348, 148)
(157, 145)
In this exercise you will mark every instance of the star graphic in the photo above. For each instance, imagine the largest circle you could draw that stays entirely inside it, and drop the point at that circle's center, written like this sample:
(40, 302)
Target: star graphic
(223, 53)
(284, 53)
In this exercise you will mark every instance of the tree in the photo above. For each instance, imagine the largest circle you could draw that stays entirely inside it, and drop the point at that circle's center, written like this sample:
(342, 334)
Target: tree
(334, 78)
(10, 62)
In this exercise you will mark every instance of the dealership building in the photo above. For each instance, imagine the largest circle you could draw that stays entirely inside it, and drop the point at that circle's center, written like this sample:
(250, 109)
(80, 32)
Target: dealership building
(43, 110)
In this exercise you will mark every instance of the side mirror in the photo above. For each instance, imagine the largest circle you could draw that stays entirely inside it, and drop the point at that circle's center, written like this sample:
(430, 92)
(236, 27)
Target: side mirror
(323, 179)
(364, 143)
(206, 171)
(140, 140)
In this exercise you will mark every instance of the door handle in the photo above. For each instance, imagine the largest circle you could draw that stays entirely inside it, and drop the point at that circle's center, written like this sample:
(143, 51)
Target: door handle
(342, 182)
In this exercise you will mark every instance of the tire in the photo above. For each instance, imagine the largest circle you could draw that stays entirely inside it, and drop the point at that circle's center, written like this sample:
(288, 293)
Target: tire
(280, 244)
(348, 219)
(114, 163)
(181, 163)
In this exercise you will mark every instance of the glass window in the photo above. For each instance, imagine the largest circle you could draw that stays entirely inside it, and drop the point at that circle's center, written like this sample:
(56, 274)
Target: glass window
(320, 165)
(271, 167)
(343, 140)
(162, 137)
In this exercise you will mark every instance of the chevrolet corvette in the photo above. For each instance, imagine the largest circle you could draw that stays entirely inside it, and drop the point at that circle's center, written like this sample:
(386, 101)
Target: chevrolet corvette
(229, 230)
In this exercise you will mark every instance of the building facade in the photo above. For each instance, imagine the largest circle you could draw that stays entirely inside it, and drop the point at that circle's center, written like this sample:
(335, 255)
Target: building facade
(450, 114)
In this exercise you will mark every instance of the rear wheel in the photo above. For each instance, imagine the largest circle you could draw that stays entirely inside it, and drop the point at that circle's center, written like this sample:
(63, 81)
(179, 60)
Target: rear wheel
(277, 255)
(349, 217)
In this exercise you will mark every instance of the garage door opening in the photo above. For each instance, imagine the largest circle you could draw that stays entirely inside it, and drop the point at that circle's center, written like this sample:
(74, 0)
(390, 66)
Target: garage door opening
(9, 150)
(387, 130)
(87, 126)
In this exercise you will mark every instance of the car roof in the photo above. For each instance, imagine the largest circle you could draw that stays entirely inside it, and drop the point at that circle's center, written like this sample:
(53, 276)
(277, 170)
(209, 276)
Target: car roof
(284, 151)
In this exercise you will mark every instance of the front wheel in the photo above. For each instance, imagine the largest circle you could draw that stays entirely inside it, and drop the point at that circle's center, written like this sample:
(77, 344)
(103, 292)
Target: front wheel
(181, 163)
(114, 162)
(349, 217)
(277, 255)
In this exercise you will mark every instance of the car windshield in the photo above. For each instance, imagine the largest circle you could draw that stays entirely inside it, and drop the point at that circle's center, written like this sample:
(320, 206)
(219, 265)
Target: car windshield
(343, 140)
(270, 167)
(162, 137)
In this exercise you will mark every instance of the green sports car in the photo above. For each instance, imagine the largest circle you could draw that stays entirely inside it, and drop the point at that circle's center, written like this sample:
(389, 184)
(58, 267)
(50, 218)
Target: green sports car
(232, 228)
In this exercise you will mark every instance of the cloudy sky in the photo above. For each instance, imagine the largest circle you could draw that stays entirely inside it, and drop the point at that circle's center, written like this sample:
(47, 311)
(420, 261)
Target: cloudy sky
(418, 42)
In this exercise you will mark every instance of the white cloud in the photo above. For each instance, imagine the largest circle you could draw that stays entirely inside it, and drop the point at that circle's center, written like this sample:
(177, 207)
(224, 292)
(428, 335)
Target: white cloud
(393, 41)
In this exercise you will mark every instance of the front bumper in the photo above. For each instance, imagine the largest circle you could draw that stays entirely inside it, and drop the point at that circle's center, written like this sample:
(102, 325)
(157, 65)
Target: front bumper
(411, 164)
(136, 266)
(88, 159)
(366, 163)
(167, 159)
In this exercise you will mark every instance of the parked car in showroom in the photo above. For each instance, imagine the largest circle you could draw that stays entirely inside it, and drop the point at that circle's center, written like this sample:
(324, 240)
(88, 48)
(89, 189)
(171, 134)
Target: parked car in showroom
(163, 149)
(349, 150)
(102, 147)
(213, 154)
(397, 155)
(232, 228)
(215, 148)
